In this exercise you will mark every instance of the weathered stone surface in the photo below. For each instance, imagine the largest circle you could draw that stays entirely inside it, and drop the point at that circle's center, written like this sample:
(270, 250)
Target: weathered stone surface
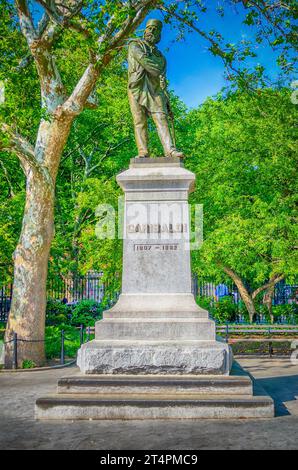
(156, 162)
(141, 357)
(155, 329)
(156, 256)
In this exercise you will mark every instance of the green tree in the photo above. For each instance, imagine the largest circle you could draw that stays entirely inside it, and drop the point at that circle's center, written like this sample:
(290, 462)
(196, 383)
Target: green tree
(36, 34)
(243, 150)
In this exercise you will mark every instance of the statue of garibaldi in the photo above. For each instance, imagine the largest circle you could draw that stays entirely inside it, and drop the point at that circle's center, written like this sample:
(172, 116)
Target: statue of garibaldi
(147, 90)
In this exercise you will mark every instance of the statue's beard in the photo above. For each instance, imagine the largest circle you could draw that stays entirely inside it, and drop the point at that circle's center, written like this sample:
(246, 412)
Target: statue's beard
(151, 38)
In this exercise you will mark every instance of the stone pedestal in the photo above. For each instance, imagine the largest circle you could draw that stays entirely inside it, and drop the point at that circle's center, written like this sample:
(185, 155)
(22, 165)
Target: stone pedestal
(156, 327)
(155, 355)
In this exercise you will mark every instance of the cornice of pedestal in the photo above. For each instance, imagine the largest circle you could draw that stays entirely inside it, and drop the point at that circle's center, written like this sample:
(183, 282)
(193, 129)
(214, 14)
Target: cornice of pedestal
(156, 174)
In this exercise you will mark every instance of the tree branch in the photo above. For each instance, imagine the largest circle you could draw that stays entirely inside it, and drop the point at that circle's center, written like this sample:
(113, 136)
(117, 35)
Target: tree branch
(6, 174)
(274, 280)
(26, 22)
(215, 46)
(25, 152)
(19, 144)
(52, 90)
(76, 102)
(247, 299)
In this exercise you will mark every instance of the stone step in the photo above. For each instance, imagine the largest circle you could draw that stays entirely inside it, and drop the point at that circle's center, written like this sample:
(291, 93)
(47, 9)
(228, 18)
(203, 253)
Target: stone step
(160, 407)
(157, 385)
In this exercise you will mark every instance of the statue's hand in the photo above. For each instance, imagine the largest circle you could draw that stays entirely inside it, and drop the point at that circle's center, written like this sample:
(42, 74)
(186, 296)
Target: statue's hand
(163, 82)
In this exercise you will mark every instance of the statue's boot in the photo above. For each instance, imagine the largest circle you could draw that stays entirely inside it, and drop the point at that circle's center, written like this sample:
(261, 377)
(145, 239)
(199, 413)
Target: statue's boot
(174, 153)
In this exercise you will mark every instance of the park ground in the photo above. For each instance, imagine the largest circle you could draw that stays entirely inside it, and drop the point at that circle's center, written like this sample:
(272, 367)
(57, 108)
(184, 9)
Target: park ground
(19, 430)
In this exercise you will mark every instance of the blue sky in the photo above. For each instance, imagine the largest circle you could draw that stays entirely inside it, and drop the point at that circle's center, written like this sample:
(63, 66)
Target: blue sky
(193, 72)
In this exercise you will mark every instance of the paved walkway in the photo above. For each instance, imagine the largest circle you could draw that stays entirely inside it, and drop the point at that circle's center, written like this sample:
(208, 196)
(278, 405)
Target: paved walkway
(18, 430)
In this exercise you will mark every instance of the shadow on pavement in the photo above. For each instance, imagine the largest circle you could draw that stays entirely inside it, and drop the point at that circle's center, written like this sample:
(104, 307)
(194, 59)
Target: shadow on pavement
(282, 389)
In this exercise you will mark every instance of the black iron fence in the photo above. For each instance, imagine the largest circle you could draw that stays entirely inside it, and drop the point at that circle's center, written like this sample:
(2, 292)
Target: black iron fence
(74, 289)
(91, 287)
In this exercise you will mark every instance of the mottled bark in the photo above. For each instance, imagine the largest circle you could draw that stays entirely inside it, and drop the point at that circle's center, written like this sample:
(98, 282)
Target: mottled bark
(27, 313)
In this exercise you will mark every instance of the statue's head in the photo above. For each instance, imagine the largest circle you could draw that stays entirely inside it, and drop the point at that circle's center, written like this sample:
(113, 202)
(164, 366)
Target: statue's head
(152, 32)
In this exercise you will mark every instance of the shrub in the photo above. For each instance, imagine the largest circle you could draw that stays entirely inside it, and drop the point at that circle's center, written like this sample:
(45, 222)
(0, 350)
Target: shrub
(53, 341)
(206, 303)
(225, 310)
(57, 313)
(28, 364)
(289, 311)
(86, 313)
(222, 311)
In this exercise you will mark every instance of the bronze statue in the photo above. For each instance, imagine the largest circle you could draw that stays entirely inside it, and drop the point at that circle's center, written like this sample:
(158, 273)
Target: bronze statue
(147, 91)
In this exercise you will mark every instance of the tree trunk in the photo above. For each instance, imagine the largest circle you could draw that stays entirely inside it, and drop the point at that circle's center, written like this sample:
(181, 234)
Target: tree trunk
(27, 313)
(246, 297)
(249, 303)
(267, 300)
(28, 307)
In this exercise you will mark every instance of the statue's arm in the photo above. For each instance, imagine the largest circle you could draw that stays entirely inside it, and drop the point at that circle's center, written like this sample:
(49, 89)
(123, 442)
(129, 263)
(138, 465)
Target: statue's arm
(140, 56)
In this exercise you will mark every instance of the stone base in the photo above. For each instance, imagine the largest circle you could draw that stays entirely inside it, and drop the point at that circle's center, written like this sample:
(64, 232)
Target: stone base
(156, 397)
(148, 357)
(167, 408)
(155, 334)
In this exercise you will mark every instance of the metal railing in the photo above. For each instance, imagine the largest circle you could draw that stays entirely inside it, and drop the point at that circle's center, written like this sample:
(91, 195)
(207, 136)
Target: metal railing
(268, 332)
(16, 340)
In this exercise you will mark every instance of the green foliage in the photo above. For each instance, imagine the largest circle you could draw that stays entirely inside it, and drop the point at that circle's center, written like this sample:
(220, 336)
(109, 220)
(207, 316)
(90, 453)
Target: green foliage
(243, 149)
(205, 302)
(53, 341)
(71, 343)
(289, 311)
(223, 311)
(86, 313)
(28, 364)
(57, 313)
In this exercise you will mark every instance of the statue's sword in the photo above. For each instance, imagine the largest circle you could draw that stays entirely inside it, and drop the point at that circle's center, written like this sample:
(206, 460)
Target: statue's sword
(163, 86)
